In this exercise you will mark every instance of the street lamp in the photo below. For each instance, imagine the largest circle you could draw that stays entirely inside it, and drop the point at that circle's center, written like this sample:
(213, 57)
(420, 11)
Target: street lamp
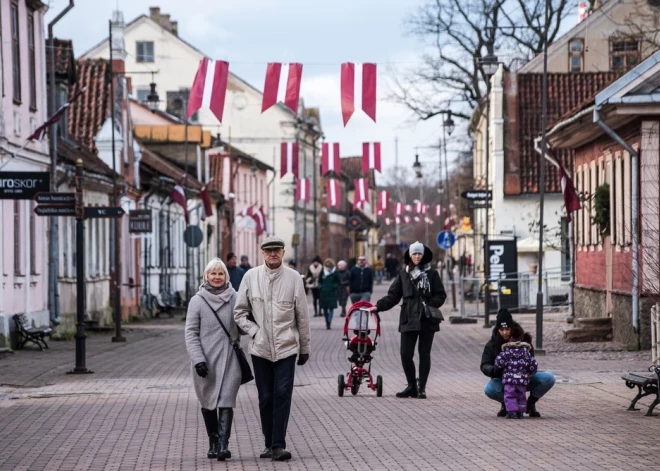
(449, 123)
(152, 98)
(417, 166)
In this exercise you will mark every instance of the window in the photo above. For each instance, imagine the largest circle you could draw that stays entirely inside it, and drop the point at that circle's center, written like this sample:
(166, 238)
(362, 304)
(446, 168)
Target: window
(145, 51)
(32, 60)
(15, 52)
(142, 94)
(624, 54)
(17, 237)
(33, 240)
(575, 55)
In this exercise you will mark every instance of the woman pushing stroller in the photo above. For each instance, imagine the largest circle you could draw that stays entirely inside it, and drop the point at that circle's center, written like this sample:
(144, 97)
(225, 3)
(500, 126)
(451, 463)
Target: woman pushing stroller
(420, 287)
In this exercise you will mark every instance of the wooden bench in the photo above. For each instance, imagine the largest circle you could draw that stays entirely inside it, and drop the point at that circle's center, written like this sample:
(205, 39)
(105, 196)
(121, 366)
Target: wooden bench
(27, 333)
(647, 384)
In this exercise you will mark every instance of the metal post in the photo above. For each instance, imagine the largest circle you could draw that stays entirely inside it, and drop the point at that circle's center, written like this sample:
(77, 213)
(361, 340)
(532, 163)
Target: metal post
(450, 270)
(185, 189)
(571, 280)
(80, 335)
(116, 222)
(544, 123)
(317, 241)
(486, 255)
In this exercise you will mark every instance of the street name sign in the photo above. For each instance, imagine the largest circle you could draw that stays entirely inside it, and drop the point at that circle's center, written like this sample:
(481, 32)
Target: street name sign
(479, 206)
(23, 185)
(54, 210)
(140, 221)
(103, 212)
(477, 195)
(67, 199)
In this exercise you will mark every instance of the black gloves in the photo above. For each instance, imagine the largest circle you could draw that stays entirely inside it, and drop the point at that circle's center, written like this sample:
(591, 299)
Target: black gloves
(202, 369)
(302, 358)
(497, 372)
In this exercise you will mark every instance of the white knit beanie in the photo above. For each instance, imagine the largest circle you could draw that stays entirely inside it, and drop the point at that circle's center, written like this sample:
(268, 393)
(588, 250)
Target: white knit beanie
(417, 247)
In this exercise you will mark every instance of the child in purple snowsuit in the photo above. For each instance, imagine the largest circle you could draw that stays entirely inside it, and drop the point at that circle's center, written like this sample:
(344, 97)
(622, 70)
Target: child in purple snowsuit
(518, 365)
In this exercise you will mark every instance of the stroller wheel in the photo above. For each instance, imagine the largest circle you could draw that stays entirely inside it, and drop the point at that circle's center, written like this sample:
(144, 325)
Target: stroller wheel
(341, 385)
(355, 387)
(379, 386)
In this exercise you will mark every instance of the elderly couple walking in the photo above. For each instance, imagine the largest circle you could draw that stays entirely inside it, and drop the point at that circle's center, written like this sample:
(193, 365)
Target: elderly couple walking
(270, 307)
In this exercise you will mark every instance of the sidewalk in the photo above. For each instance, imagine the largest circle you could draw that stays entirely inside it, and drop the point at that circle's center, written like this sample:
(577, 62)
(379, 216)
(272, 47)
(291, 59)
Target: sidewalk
(138, 411)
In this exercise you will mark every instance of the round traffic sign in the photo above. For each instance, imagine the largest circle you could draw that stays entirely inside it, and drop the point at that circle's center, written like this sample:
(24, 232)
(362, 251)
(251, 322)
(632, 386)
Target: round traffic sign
(446, 240)
(193, 236)
(403, 246)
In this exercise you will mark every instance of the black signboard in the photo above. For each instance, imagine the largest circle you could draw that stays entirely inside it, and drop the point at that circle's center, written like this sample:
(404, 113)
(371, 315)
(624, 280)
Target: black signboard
(503, 277)
(103, 212)
(479, 206)
(67, 199)
(54, 210)
(23, 185)
(477, 195)
(140, 221)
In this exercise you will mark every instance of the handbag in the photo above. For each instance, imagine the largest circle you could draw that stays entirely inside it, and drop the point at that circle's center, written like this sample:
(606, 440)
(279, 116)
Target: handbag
(246, 371)
(433, 314)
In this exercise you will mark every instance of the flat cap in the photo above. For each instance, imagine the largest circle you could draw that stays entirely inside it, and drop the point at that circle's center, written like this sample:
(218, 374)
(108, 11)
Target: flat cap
(272, 242)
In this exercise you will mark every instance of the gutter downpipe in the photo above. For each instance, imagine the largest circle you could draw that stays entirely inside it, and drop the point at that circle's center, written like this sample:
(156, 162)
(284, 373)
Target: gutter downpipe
(634, 162)
(53, 265)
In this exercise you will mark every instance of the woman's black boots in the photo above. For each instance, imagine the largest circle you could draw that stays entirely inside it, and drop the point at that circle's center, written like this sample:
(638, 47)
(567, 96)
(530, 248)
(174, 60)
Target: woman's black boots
(211, 423)
(224, 429)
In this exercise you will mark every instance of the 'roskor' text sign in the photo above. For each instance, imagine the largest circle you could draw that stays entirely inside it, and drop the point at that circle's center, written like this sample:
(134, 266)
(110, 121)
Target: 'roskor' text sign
(23, 185)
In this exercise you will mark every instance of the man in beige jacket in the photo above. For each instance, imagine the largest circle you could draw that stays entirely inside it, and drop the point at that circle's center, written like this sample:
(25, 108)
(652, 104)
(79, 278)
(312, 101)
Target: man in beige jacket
(272, 308)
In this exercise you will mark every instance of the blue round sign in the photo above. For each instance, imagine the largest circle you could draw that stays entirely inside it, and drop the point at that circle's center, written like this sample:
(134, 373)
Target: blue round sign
(403, 246)
(446, 240)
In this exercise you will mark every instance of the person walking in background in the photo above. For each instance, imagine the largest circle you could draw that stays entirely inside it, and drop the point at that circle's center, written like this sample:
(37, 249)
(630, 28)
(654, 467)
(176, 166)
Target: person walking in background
(378, 267)
(245, 263)
(329, 283)
(235, 272)
(312, 282)
(216, 371)
(517, 364)
(362, 281)
(272, 309)
(344, 286)
(390, 266)
(420, 287)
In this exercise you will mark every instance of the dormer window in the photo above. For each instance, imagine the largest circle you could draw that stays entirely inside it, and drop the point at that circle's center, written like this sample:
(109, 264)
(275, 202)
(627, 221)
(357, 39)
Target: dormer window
(576, 55)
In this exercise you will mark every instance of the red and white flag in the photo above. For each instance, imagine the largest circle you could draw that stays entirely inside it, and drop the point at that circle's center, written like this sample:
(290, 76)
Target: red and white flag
(291, 92)
(427, 220)
(571, 199)
(179, 197)
(449, 223)
(416, 218)
(387, 221)
(438, 210)
(406, 219)
(370, 156)
(41, 131)
(397, 220)
(209, 88)
(333, 193)
(207, 207)
(583, 11)
(419, 207)
(302, 190)
(383, 201)
(260, 219)
(361, 194)
(330, 159)
(398, 209)
(289, 158)
(367, 78)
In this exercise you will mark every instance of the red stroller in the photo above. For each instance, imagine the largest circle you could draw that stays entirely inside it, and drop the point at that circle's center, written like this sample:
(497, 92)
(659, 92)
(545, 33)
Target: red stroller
(365, 327)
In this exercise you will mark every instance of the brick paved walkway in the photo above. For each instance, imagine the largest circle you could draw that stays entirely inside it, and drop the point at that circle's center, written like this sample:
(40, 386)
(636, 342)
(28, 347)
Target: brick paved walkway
(138, 411)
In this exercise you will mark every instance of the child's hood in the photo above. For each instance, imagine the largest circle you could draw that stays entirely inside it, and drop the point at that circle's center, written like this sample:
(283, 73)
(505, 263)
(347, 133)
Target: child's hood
(516, 345)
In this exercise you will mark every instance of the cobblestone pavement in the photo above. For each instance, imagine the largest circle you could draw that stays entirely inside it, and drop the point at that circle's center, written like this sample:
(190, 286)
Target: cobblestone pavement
(138, 410)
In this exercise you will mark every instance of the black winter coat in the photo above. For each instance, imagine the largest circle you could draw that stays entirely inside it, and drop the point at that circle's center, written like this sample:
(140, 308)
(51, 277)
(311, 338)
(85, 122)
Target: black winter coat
(494, 348)
(411, 318)
(362, 280)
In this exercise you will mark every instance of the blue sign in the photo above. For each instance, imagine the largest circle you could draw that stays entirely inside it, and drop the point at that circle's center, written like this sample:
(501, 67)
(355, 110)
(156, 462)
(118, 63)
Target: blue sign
(403, 246)
(446, 240)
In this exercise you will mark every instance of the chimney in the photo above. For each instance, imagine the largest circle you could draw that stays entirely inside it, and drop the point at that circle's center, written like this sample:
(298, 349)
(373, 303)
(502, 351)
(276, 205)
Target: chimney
(118, 49)
(174, 28)
(154, 14)
(165, 20)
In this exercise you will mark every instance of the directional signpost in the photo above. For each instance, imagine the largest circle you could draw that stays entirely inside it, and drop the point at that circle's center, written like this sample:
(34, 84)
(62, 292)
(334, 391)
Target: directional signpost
(479, 206)
(477, 195)
(103, 212)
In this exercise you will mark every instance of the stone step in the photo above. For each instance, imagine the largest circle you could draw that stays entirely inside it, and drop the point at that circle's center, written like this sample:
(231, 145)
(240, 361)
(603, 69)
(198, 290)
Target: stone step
(596, 322)
(588, 334)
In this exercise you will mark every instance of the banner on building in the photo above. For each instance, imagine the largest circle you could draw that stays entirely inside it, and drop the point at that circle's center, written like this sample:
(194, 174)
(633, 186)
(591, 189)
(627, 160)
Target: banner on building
(503, 276)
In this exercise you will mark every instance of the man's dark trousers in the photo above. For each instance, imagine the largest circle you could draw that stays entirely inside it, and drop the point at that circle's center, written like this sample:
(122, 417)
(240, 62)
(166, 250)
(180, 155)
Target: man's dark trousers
(274, 382)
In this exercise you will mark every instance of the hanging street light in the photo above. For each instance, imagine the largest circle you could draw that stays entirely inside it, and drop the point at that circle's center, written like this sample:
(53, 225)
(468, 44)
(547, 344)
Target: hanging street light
(449, 123)
(152, 98)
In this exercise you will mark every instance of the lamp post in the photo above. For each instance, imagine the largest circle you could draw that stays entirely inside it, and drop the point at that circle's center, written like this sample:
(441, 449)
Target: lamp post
(448, 129)
(489, 65)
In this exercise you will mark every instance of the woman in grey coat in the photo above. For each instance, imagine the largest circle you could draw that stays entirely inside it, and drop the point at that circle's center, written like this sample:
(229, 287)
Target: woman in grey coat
(216, 372)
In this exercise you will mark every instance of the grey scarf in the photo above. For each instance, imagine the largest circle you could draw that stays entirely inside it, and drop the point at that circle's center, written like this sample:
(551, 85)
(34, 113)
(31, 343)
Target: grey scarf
(420, 278)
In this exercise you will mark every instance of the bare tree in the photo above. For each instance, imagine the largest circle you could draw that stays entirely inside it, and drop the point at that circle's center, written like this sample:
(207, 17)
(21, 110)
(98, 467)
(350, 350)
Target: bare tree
(458, 35)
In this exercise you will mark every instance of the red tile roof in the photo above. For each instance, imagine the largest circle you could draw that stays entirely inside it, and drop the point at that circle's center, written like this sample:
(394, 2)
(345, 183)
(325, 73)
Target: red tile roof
(87, 114)
(351, 168)
(65, 64)
(567, 92)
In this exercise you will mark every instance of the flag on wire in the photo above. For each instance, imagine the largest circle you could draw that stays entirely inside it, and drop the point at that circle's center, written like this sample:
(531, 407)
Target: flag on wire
(330, 159)
(302, 190)
(398, 209)
(383, 201)
(333, 193)
(179, 197)
(207, 207)
(274, 73)
(209, 88)
(41, 131)
(361, 193)
(370, 156)
(571, 199)
(438, 210)
(419, 207)
(260, 219)
(416, 218)
(289, 158)
(406, 219)
(397, 220)
(427, 220)
(368, 90)
(387, 221)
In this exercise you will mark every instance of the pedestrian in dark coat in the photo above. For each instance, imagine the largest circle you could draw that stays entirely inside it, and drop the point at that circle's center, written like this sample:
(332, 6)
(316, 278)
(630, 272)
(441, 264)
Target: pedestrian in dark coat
(418, 284)
(329, 282)
(236, 273)
(216, 371)
(362, 281)
(344, 286)
(539, 383)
